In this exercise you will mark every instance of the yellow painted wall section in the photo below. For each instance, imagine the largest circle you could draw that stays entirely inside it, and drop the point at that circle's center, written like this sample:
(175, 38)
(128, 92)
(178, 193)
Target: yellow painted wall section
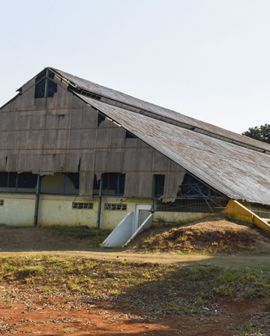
(238, 211)
(110, 219)
(57, 210)
(18, 209)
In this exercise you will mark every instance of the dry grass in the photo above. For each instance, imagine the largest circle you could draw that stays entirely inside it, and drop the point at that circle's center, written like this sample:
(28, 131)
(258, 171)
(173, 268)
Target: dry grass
(211, 236)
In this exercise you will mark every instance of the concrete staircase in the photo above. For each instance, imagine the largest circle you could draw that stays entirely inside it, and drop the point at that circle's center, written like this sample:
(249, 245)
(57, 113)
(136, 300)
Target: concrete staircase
(129, 227)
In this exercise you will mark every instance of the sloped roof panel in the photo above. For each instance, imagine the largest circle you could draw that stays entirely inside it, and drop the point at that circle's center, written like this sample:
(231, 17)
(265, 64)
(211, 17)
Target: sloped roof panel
(237, 172)
(161, 111)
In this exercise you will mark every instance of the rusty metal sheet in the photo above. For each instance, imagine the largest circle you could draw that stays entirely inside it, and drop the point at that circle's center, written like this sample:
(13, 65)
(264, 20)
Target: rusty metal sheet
(235, 171)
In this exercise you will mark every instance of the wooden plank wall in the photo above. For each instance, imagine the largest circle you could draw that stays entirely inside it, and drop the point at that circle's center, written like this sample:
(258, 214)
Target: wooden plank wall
(61, 134)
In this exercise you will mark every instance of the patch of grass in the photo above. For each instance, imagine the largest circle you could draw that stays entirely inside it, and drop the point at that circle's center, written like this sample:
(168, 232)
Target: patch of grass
(156, 289)
(248, 329)
(245, 283)
(29, 271)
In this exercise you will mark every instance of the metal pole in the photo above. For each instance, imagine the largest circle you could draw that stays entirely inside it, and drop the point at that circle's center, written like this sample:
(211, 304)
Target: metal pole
(99, 204)
(37, 200)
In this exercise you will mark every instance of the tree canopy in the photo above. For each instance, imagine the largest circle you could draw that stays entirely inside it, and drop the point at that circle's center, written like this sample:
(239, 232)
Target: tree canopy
(261, 133)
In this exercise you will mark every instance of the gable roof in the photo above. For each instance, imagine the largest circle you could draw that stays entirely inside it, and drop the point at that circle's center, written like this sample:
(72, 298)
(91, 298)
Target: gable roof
(233, 164)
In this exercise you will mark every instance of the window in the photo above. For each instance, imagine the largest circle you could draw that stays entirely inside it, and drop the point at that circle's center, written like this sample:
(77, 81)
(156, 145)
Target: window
(115, 206)
(101, 118)
(1, 202)
(158, 187)
(44, 84)
(112, 184)
(82, 205)
(60, 184)
(194, 188)
(17, 182)
(75, 179)
(26, 180)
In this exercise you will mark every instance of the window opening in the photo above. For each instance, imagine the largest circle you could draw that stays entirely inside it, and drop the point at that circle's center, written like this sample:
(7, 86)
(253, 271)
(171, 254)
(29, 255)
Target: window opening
(75, 179)
(17, 182)
(82, 205)
(26, 180)
(101, 118)
(115, 206)
(112, 184)
(194, 188)
(158, 185)
(44, 84)
(60, 184)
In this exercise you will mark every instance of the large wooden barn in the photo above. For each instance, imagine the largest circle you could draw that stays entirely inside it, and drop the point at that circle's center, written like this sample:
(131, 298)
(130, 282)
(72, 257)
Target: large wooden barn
(74, 152)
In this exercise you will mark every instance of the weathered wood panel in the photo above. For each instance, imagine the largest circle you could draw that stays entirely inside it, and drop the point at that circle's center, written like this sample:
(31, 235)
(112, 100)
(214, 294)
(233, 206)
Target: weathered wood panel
(63, 134)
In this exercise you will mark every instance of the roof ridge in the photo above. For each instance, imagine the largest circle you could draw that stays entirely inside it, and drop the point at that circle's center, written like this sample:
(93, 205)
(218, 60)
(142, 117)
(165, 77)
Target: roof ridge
(120, 99)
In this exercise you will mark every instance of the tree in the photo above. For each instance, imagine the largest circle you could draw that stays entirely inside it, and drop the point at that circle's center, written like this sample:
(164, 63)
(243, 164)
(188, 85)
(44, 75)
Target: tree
(261, 133)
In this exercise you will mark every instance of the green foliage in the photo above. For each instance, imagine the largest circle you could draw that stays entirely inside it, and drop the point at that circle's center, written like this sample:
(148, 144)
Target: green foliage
(29, 271)
(246, 283)
(261, 133)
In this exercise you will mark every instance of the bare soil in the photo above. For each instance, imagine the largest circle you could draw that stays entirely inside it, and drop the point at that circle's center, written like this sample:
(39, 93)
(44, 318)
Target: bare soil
(210, 278)
(72, 295)
(212, 236)
(50, 238)
(41, 316)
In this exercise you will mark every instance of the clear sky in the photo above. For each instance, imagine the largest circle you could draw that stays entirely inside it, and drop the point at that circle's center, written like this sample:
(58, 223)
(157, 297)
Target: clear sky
(209, 59)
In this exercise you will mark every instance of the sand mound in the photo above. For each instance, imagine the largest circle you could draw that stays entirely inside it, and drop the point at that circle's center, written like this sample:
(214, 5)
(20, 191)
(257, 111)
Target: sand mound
(212, 236)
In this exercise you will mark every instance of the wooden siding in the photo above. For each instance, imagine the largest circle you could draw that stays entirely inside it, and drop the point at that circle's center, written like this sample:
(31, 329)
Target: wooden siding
(61, 134)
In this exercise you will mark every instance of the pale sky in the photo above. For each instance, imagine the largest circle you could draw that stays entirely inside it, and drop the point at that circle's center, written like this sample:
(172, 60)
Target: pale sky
(209, 59)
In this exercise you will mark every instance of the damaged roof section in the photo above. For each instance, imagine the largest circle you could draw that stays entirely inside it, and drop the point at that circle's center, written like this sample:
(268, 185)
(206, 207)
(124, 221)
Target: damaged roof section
(130, 103)
(235, 171)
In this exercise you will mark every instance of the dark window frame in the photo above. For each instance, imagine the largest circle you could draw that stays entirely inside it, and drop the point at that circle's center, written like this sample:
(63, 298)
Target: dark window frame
(113, 184)
(45, 87)
(18, 182)
(194, 188)
(74, 180)
(158, 185)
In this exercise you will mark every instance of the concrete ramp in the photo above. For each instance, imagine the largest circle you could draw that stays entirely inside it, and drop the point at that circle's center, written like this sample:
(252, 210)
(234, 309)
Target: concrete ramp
(238, 211)
(129, 227)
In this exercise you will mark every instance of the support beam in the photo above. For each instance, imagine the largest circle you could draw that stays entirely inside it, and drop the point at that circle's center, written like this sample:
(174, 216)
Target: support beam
(37, 200)
(99, 204)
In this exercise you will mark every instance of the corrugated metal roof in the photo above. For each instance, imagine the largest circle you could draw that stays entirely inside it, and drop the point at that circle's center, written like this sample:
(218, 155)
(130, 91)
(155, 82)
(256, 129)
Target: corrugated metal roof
(191, 123)
(237, 172)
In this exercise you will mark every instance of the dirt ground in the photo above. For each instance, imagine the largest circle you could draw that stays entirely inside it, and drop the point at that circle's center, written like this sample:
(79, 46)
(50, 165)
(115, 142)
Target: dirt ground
(44, 317)
(134, 285)
(57, 301)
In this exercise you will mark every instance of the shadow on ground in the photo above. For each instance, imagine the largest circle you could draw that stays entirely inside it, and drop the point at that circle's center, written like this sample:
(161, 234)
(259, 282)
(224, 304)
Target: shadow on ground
(55, 238)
